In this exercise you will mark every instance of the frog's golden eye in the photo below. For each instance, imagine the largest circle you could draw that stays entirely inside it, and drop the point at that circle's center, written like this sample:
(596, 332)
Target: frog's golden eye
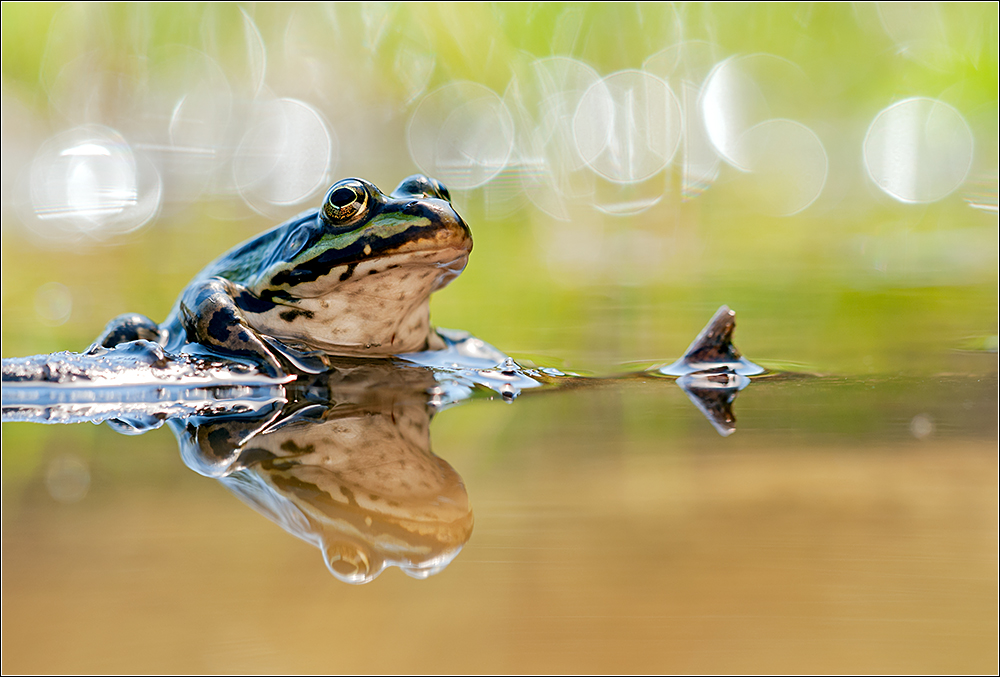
(345, 203)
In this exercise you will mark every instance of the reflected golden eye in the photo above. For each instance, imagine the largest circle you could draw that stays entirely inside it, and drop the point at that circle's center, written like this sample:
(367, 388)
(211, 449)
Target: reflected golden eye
(345, 203)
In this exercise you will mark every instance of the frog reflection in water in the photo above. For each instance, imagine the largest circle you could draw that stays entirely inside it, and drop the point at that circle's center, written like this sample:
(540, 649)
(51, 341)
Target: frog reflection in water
(345, 464)
(352, 278)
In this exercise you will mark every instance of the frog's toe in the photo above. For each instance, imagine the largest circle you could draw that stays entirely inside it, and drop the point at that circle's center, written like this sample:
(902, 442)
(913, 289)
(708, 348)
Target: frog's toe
(126, 328)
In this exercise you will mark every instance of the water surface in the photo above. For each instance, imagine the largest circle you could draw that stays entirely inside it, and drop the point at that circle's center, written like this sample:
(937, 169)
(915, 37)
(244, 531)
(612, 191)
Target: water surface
(848, 524)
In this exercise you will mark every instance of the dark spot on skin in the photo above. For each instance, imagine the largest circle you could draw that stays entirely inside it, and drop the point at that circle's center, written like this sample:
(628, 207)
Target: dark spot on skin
(247, 302)
(279, 464)
(349, 495)
(372, 271)
(243, 336)
(293, 448)
(249, 457)
(129, 327)
(219, 325)
(346, 275)
(217, 443)
(276, 296)
(307, 490)
(292, 313)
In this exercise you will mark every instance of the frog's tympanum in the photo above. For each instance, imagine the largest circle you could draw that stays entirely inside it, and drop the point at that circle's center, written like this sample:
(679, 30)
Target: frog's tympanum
(350, 278)
(346, 465)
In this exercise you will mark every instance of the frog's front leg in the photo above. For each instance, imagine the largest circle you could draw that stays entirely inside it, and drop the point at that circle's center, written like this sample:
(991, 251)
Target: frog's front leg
(211, 316)
(125, 328)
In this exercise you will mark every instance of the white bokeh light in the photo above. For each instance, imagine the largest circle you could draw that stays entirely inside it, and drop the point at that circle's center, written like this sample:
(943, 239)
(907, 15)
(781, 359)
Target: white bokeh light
(286, 155)
(627, 126)
(462, 134)
(918, 150)
(786, 165)
(543, 100)
(89, 180)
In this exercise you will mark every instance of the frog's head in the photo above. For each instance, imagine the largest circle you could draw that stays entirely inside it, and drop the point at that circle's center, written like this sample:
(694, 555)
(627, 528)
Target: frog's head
(354, 277)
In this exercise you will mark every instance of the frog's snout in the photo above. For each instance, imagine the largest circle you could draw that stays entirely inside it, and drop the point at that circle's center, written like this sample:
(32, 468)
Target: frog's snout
(449, 224)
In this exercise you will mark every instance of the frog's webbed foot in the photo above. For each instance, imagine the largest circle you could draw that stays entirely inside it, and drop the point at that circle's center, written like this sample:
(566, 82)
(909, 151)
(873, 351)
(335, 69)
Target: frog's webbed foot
(126, 328)
(212, 319)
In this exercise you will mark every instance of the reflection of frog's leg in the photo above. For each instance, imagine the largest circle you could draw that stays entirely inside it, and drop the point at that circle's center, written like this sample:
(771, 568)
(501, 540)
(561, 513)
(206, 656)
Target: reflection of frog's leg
(211, 317)
(125, 328)
(215, 445)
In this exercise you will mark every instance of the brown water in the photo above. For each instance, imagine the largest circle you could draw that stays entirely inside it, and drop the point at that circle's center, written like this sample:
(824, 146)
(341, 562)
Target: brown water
(847, 525)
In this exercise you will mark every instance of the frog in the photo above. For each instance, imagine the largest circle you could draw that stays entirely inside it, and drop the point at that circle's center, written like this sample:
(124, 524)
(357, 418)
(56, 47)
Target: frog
(350, 278)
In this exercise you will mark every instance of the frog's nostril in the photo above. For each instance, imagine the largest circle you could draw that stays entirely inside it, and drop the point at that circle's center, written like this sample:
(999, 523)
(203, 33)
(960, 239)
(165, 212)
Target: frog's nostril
(419, 208)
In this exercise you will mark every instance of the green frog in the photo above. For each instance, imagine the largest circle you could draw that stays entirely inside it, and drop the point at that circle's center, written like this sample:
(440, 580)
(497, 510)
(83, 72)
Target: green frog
(352, 278)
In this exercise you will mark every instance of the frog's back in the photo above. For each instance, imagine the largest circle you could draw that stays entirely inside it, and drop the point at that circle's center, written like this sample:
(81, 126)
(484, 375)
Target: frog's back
(243, 262)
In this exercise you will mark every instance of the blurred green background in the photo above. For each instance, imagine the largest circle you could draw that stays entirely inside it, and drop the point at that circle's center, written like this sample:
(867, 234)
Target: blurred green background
(579, 261)
(829, 171)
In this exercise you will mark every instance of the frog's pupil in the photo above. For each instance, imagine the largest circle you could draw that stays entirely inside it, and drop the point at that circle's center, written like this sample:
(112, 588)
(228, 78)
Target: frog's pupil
(342, 197)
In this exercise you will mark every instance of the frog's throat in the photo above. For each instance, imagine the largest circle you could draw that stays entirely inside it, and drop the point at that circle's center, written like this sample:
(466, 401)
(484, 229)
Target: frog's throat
(410, 268)
(380, 309)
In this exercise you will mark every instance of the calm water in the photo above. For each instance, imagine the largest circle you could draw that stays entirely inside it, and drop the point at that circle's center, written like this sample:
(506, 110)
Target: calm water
(849, 524)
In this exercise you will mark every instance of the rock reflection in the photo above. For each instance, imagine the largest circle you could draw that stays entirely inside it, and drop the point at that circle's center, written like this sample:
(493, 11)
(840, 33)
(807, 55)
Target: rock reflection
(713, 393)
(346, 465)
